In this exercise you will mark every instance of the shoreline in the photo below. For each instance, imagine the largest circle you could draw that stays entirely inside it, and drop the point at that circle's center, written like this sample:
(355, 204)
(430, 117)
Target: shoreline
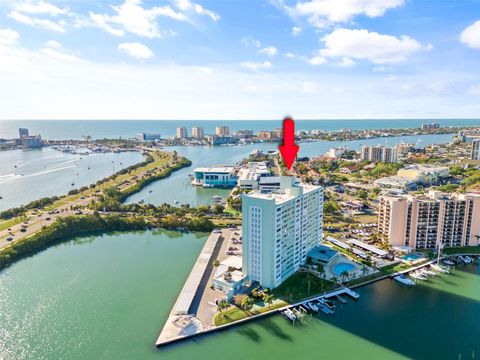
(163, 343)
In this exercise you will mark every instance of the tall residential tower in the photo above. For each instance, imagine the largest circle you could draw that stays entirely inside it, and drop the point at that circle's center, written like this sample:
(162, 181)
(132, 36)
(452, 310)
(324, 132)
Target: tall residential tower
(279, 229)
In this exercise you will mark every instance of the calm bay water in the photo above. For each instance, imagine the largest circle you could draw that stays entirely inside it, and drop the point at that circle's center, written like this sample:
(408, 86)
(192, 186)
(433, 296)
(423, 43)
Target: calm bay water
(178, 187)
(27, 175)
(129, 128)
(52, 306)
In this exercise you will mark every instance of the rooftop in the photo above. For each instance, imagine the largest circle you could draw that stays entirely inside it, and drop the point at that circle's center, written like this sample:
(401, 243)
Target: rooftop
(322, 253)
(216, 169)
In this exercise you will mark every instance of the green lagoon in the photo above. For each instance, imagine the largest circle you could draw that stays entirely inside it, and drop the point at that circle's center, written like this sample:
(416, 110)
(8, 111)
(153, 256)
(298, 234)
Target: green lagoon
(107, 297)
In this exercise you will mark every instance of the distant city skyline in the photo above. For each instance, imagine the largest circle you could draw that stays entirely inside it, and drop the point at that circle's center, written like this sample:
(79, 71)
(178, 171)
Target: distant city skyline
(183, 59)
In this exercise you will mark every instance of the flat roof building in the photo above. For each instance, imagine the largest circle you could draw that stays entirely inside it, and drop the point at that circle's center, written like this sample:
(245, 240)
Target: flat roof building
(222, 131)
(423, 222)
(279, 229)
(220, 176)
(182, 132)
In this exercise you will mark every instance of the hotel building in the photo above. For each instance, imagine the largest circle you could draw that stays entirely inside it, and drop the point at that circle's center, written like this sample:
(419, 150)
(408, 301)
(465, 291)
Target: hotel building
(197, 132)
(222, 131)
(476, 149)
(422, 222)
(379, 154)
(279, 229)
(182, 133)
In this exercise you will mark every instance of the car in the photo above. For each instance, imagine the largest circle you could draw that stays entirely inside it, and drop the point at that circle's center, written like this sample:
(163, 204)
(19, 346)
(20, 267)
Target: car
(9, 229)
(23, 230)
(9, 238)
(48, 218)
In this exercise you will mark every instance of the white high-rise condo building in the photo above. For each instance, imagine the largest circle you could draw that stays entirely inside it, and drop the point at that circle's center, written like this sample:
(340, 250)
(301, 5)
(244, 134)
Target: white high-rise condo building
(476, 149)
(279, 229)
(424, 221)
(197, 132)
(182, 132)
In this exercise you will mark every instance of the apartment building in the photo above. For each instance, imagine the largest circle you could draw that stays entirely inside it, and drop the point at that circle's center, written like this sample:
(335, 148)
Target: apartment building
(182, 133)
(197, 132)
(379, 153)
(279, 229)
(476, 149)
(423, 222)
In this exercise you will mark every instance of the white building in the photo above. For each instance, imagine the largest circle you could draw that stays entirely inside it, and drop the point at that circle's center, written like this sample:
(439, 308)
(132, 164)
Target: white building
(279, 229)
(336, 152)
(249, 176)
(219, 176)
(222, 131)
(182, 132)
(197, 132)
(476, 149)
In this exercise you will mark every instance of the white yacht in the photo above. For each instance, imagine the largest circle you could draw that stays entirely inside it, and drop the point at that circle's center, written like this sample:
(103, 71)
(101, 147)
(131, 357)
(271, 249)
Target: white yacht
(417, 276)
(404, 280)
(439, 268)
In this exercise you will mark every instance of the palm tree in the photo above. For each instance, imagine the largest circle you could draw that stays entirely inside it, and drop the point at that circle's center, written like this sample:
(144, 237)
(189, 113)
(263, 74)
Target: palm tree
(247, 301)
(364, 269)
(268, 299)
(344, 275)
(222, 305)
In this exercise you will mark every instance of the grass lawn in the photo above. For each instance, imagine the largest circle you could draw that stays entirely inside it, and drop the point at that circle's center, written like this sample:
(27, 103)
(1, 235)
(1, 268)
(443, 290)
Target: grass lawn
(9, 223)
(295, 288)
(230, 315)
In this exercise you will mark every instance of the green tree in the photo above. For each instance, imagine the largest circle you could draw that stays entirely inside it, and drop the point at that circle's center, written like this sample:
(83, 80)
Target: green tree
(268, 299)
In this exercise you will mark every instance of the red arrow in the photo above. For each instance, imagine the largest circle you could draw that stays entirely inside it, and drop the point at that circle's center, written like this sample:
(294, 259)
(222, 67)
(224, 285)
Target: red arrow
(288, 150)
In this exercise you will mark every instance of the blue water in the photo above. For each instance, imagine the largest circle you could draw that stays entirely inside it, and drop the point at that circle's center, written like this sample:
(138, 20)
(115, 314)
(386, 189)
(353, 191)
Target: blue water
(411, 257)
(62, 129)
(340, 268)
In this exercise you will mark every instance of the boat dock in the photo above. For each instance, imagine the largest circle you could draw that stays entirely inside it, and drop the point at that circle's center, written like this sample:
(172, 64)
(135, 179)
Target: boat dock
(181, 322)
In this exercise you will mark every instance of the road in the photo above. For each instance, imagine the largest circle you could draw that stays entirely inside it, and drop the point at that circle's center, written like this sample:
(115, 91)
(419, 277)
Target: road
(36, 222)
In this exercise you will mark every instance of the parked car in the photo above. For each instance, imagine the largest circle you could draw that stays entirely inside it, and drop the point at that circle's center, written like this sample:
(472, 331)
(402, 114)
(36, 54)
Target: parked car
(10, 238)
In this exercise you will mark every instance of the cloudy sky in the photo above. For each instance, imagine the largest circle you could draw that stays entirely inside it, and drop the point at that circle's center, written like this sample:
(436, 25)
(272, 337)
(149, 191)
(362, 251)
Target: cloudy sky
(223, 59)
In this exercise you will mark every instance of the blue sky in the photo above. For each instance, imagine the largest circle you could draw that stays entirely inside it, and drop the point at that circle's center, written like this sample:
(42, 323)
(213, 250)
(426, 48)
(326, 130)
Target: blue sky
(180, 59)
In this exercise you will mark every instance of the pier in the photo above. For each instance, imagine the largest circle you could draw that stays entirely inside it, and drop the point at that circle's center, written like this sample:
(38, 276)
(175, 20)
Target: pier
(187, 317)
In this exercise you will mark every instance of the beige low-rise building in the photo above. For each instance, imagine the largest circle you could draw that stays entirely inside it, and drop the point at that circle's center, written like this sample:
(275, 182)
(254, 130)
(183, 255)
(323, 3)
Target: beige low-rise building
(423, 222)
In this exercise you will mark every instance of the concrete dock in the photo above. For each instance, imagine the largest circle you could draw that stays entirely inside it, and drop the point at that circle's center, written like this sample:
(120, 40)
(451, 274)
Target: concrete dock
(183, 321)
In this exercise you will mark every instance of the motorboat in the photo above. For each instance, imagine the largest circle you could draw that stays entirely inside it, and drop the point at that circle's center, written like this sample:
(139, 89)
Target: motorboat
(404, 280)
(427, 271)
(417, 276)
(313, 307)
(448, 262)
(439, 268)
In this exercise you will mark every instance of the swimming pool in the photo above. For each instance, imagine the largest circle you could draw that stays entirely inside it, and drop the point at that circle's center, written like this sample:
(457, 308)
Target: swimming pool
(411, 257)
(341, 267)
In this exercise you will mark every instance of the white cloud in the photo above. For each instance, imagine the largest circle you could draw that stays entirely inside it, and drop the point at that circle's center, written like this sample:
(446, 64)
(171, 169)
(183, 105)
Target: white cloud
(364, 45)
(132, 17)
(269, 50)
(136, 50)
(188, 6)
(8, 37)
(54, 50)
(40, 7)
(256, 65)
(296, 31)
(317, 60)
(321, 13)
(53, 44)
(249, 41)
(474, 89)
(346, 62)
(58, 26)
(290, 55)
(471, 35)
